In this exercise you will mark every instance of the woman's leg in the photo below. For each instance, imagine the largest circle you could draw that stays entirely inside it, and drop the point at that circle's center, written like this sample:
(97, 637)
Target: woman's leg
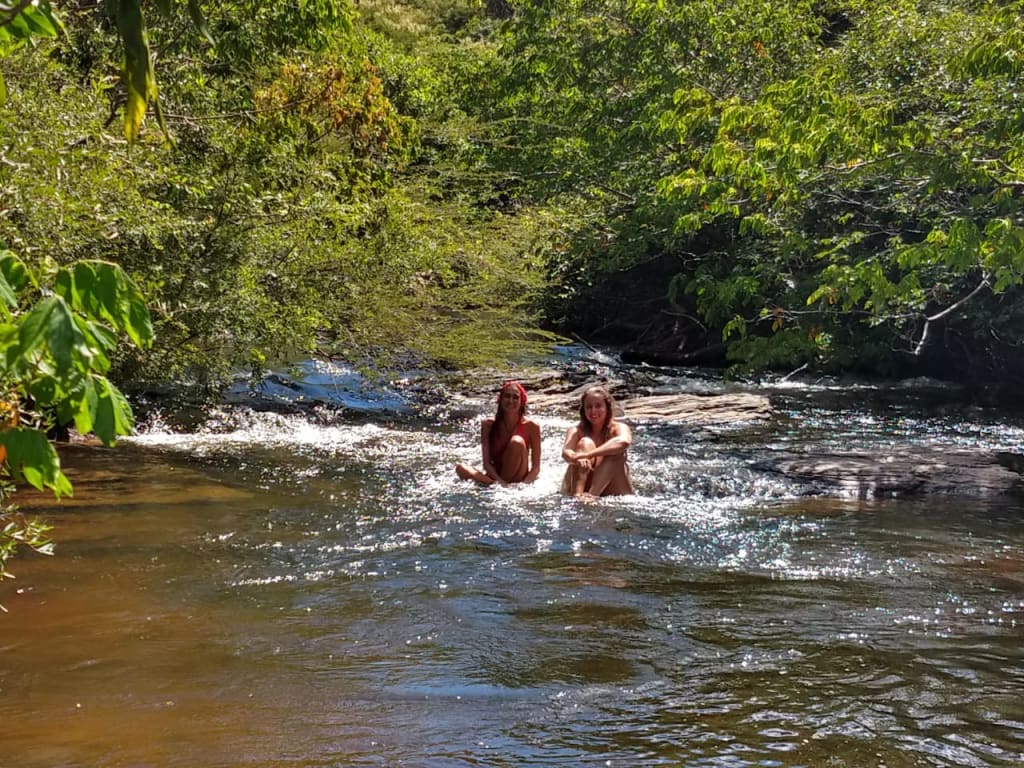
(578, 479)
(611, 477)
(515, 461)
(466, 472)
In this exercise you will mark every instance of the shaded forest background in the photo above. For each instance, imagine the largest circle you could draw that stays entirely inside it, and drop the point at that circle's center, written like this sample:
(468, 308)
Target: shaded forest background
(758, 184)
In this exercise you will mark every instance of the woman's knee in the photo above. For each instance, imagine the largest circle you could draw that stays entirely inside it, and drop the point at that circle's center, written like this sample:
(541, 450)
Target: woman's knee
(517, 445)
(514, 463)
(515, 452)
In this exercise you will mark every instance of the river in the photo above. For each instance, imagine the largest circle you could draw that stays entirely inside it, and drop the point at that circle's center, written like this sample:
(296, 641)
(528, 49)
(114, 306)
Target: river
(281, 590)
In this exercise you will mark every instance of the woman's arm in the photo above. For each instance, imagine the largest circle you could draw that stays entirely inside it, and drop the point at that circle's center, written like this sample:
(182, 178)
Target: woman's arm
(485, 446)
(619, 440)
(572, 437)
(534, 451)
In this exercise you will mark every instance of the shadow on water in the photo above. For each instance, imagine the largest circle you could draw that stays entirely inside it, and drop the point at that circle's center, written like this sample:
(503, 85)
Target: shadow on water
(283, 590)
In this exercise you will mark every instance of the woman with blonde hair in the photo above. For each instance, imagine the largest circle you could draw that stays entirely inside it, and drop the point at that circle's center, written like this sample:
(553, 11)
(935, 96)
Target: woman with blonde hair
(596, 449)
(510, 442)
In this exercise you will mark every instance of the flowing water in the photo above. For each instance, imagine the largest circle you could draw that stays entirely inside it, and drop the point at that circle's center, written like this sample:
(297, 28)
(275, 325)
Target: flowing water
(295, 591)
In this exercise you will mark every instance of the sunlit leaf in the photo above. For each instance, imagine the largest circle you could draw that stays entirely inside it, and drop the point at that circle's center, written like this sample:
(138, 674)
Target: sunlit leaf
(51, 327)
(138, 65)
(33, 459)
(103, 291)
(113, 416)
(196, 13)
(14, 274)
(80, 407)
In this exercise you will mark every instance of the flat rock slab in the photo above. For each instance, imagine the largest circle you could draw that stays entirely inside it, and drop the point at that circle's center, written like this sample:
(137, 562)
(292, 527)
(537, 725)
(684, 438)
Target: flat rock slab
(911, 472)
(699, 410)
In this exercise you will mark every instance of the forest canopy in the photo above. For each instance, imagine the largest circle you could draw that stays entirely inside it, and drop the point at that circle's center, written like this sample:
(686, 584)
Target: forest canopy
(773, 184)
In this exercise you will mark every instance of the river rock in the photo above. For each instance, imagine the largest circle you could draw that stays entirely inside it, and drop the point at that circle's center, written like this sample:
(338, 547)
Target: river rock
(694, 409)
(910, 472)
(699, 409)
(558, 392)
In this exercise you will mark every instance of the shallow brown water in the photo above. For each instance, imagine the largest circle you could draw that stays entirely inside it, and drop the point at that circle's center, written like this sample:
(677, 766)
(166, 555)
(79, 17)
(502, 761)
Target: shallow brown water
(285, 594)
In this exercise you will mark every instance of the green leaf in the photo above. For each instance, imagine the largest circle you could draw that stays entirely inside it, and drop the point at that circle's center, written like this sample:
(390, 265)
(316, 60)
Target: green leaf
(14, 278)
(98, 341)
(9, 343)
(51, 326)
(33, 459)
(200, 20)
(85, 403)
(102, 291)
(40, 23)
(113, 415)
(138, 64)
(44, 391)
(8, 295)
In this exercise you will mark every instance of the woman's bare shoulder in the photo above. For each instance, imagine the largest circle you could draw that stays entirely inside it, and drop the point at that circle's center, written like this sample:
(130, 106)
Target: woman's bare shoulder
(619, 429)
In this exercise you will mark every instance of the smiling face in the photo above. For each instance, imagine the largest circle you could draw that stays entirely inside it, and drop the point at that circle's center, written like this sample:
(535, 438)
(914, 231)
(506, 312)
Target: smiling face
(510, 400)
(594, 409)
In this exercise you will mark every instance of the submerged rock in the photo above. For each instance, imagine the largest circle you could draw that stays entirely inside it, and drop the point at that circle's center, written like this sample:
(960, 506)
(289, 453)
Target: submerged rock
(913, 471)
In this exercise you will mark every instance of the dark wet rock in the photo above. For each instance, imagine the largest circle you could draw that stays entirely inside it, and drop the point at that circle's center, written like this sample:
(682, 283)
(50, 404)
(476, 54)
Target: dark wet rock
(910, 472)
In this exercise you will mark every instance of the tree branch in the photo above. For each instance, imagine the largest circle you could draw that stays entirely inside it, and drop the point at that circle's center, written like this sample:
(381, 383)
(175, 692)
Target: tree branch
(919, 347)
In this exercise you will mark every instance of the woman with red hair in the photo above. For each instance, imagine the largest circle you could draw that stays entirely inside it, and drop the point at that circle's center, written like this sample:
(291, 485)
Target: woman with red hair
(510, 442)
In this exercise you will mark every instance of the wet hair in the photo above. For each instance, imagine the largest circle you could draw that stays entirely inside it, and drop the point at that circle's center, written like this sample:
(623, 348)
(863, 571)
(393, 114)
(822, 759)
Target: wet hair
(609, 404)
(499, 416)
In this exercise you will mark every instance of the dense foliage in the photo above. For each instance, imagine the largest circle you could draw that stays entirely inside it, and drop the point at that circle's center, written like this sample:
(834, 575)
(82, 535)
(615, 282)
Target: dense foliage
(277, 204)
(59, 326)
(297, 208)
(834, 183)
(826, 183)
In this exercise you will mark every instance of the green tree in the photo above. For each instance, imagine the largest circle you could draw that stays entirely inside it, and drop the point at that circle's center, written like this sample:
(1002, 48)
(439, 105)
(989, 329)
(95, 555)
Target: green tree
(586, 89)
(58, 329)
(873, 197)
(833, 184)
(57, 335)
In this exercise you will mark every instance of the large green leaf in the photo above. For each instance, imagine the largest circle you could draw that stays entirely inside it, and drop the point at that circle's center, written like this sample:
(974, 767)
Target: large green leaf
(82, 406)
(33, 459)
(102, 291)
(50, 328)
(97, 406)
(14, 278)
(113, 416)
